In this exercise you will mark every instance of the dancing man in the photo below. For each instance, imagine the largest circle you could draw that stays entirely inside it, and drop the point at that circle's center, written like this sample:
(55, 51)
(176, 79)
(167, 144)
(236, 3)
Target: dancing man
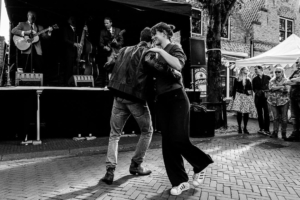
(129, 84)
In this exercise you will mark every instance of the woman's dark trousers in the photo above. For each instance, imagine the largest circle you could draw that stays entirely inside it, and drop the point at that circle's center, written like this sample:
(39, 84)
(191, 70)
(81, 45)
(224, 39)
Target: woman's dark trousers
(174, 120)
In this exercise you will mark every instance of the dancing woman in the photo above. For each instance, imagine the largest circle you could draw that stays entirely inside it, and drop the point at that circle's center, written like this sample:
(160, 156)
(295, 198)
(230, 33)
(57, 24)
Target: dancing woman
(174, 114)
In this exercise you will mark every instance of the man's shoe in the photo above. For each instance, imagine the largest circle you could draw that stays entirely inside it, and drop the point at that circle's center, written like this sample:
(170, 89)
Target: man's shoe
(261, 131)
(274, 135)
(267, 133)
(180, 188)
(294, 137)
(137, 169)
(109, 176)
(283, 135)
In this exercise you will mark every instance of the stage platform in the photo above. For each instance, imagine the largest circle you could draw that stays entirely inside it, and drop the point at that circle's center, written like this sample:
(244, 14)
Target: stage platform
(61, 112)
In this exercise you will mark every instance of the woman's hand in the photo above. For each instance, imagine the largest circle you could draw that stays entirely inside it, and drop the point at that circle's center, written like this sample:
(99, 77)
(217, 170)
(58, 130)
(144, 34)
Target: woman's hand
(171, 60)
(155, 50)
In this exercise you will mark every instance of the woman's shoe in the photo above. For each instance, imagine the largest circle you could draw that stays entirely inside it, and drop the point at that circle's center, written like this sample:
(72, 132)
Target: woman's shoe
(246, 131)
(198, 178)
(180, 188)
(240, 131)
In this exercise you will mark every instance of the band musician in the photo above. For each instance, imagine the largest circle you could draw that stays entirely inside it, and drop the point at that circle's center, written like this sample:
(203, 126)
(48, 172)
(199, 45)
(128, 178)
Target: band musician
(108, 46)
(26, 29)
(72, 44)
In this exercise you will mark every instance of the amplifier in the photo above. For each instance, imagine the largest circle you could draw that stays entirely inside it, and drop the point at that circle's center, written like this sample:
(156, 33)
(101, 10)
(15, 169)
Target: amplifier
(29, 79)
(202, 124)
(83, 80)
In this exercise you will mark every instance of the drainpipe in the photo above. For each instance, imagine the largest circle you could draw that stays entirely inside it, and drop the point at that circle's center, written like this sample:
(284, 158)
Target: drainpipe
(251, 48)
(227, 82)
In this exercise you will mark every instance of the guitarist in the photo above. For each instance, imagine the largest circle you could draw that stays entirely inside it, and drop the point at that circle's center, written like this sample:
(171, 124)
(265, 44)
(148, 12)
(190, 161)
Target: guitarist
(106, 47)
(27, 28)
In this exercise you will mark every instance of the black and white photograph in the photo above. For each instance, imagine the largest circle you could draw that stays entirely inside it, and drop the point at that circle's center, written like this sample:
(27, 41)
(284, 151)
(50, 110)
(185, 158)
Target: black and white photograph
(150, 100)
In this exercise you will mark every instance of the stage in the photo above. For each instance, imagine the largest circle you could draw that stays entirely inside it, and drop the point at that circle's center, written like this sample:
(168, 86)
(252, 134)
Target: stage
(68, 111)
(62, 112)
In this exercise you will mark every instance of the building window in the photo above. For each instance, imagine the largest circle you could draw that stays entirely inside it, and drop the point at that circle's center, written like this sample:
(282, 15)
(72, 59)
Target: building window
(226, 30)
(285, 28)
(196, 21)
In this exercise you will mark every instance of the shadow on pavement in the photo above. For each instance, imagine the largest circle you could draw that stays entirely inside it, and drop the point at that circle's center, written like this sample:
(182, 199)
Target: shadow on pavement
(99, 190)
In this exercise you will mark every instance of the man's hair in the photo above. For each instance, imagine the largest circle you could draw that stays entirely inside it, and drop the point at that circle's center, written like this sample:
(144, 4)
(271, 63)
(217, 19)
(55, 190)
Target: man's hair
(108, 18)
(259, 67)
(146, 35)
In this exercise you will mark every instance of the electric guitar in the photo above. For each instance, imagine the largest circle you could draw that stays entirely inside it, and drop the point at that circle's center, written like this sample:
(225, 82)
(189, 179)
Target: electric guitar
(23, 43)
(113, 42)
(114, 51)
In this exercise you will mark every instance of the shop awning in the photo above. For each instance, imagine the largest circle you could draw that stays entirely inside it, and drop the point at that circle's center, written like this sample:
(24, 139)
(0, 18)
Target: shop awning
(285, 53)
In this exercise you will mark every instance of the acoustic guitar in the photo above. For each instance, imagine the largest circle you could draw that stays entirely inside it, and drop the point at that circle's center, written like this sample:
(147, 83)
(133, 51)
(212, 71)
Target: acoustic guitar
(23, 43)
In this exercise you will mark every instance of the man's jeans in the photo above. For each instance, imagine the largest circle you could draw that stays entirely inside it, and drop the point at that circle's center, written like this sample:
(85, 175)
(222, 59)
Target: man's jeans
(280, 113)
(121, 111)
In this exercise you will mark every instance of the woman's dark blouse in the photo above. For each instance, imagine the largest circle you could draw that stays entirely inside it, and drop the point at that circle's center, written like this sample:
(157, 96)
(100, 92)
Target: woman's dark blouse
(240, 88)
(166, 83)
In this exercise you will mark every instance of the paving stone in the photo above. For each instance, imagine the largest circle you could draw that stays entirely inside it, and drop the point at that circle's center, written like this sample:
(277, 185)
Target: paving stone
(240, 172)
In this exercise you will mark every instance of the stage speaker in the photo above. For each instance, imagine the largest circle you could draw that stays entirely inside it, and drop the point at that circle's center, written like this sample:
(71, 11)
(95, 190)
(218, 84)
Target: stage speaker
(197, 53)
(83, 80)
(29, 79)
(202, 124)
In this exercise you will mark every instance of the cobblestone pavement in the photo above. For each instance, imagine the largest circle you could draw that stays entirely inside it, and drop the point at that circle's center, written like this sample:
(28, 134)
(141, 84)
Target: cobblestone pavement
(246, 168)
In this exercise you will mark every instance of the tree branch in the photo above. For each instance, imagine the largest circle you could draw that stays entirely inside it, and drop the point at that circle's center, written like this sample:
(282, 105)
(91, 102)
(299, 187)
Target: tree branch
(227, 12)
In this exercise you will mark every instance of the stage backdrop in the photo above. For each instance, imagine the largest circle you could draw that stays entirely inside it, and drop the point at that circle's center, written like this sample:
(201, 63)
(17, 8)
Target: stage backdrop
(133, 16)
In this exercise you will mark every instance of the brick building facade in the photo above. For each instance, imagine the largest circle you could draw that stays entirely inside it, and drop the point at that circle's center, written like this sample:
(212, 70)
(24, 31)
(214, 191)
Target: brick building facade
(254, 27)
(261, 21)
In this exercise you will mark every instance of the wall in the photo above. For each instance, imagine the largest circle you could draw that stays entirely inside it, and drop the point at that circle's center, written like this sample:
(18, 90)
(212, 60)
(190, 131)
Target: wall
(257, 20)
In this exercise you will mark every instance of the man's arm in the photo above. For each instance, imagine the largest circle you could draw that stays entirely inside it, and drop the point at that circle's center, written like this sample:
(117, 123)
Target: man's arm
(45, 35)
(234, 88)
(18, 30)
(268, 81)
(295, 80)
(66, 38)
(254, 88)
(120, 40)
